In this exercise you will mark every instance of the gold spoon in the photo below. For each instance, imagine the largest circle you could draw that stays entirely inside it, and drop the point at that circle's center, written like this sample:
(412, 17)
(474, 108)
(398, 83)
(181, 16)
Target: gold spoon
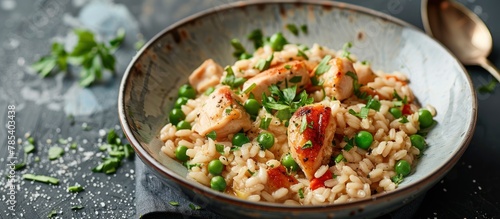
(462, 31)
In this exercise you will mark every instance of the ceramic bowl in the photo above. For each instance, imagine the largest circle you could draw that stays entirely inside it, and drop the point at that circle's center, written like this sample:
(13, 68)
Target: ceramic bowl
(150, 85)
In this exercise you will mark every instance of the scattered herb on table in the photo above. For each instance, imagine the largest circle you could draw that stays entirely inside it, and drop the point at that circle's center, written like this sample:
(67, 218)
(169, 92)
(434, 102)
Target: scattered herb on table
(55, 152)
(173, 203)
(489, 87)
(52, 214)
(293, 29)
(41, 178)
(117, 151)
(194, 207)
(77, 207)
(75, 188)
(93, 57)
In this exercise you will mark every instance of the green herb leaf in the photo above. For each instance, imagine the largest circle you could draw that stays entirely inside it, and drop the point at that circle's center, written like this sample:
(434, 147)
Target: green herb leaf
(231, 80)
(41, 178)
(301, 193)
(173, 203)
(264, 123)
(194, 207)
(257, 38)
(373, 104)
(239, 50)
(304, 29)
(190, 165)
(77, 207)
(264, 64)
(296, 79)
(396, 95)
(323, 66)
(52, 214)
(219, 148)
(212, 135)
(308, 144)
(55, 152)
(20, 166)
(300, 53)
(356, 86)
(75, 188)
(29, 148)
(488, 88)
(293, 29)
(397, 179)
(209, 91)
(350, 143)
(117, 41)
(287, 67)
(250, 88)
(363, 113)
(303, 124)
(403, 119)
(339, 158)
(73, 146)
(346, 53)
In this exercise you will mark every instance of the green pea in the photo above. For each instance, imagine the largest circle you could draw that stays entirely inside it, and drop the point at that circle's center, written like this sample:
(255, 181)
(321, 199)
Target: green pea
(176, 115)
(187, 91)
(180, 153)
(289, 163)
(402, 167)
(240, 139)
(277, 41)
(396, 112)
(218, 183)
(183, 125)
(252, 107)
(418, 141)
(215, 167)
(425, 118)
(180, 101)
(265, 140)
(363, 139)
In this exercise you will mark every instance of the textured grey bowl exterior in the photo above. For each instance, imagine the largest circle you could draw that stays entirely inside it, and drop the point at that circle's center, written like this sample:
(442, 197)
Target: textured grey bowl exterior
(150, 84)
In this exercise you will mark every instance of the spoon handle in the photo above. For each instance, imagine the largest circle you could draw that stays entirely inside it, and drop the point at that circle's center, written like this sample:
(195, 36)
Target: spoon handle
(486, 64)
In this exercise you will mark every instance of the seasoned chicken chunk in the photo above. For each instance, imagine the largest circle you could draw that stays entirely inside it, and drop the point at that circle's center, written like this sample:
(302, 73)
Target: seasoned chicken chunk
(205, 76)
(365, 73)
(336, 81)
(310, 134)
(222, 113)
(294, 73)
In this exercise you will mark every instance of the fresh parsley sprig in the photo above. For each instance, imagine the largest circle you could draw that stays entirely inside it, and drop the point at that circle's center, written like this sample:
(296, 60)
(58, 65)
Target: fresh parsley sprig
(91, 56)
(285, 102)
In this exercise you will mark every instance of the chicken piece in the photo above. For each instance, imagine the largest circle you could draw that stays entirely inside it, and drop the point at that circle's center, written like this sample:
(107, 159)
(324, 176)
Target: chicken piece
(222, 113)
(365, 73)
(294, 72)
(205, 76)
(310, 136)
(336, 82)
(279, 178)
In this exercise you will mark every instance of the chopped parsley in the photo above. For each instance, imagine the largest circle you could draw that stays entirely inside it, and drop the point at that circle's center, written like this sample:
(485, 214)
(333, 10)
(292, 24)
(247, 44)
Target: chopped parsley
(307, 145)
(350, 143)
(191, 165)
(52, 213)
(73, 145)
(29, 148)
(304, 29)
(173, 203)
(75, 188)
(363, 113)
(228, 110)
(303, 124)
(346, 53)
(396, 95)
(300, 53)
(264, 123)
(323, 66)
(256, 37)
(373, 104)
(301, 193)
(295, 79)
(339, 158)
(239, 50)
(489, 87)
(397, 179)
(403, 120)
(264, 64)
(117, 151)
(250, 88)
(55, 152)
(287, 67)
(41, 178)
(285, 101)
(356, 86)
(20, 166)
(231, 80)
(219, 148)
(77, 207)
(212, 135)
(293, 29)
(209, 91)
(194, 207)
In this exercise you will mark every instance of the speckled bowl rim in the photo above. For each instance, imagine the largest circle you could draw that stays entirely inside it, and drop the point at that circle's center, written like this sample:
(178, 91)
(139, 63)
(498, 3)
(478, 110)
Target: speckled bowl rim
(408, 191)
